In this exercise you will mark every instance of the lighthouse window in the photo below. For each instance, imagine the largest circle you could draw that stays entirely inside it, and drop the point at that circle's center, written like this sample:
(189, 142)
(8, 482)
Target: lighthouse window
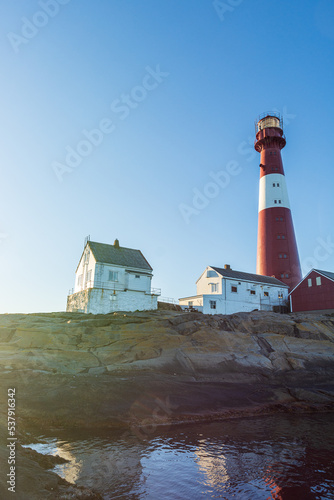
(282, 275)
(283, 237)
(278, 184)
(285, 256)
(287, 275)
(274, 184)
(279, 201)
(275, 201)
(278, 236)
(280, 256)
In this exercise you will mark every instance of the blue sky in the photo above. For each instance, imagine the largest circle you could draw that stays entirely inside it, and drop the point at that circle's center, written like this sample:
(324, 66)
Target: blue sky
(217, 74)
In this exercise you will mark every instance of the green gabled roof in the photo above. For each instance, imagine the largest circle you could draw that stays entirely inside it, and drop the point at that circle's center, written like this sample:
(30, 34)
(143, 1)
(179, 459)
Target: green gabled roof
(119, 256)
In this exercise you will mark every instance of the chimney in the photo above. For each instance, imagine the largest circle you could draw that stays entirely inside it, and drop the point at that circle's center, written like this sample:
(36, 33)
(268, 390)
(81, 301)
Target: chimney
(227, 266)
(116, 243)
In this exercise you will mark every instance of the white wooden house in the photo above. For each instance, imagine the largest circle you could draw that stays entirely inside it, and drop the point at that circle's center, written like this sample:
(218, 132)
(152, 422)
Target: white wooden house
(112, 278)
(225, 291)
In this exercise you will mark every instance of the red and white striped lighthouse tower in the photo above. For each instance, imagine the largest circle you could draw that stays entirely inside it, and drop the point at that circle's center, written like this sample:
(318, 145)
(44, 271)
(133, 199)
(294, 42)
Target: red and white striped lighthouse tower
(277, 253)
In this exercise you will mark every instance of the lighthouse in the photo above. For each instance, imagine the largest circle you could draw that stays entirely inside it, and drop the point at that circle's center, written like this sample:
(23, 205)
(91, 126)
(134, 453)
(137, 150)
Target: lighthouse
(277, 253)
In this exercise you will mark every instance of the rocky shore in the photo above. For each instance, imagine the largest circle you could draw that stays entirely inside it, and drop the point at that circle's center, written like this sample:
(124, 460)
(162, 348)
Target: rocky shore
(140, 370)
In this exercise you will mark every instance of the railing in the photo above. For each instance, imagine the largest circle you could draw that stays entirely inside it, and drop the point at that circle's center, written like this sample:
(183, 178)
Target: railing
(169, 300)
(114, 286)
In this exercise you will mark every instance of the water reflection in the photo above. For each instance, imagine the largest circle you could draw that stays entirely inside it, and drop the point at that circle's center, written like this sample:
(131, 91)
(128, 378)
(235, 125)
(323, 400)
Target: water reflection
(269, 458)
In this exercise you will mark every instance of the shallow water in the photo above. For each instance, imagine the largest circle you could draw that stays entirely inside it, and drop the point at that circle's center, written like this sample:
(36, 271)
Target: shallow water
(278, 457)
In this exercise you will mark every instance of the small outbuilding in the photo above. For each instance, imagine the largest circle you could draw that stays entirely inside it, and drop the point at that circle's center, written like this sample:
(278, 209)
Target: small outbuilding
(112, 278)
(225, 291)
(314, 293)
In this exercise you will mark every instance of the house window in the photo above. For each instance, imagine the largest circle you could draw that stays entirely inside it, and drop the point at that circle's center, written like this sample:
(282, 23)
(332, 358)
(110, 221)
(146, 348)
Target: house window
(190, 303)
(89, 275)
(211, 274)
(280, 295)
(318, 280)
(285, 256)
(279, 201)
(274, 184)
(266, 294)
(86, 257)
(113, 275)
(212, 304)
(278, 184)
(80, 280)
(234, 289)
(137, 276)
(309, 282)
(275, 201)
(287, 275)
(214, 287)
(283, 237)
(252, 292)
(282, 275)
(279, 255)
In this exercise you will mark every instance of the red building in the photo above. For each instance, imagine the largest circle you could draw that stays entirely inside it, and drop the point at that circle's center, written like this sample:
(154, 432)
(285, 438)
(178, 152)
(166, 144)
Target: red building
(314, 293)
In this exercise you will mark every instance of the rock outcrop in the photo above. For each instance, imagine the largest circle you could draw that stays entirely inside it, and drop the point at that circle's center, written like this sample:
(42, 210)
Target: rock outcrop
(72, 369)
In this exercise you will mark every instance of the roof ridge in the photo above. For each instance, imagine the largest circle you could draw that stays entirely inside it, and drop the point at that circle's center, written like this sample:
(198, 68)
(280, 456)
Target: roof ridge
(112, 245)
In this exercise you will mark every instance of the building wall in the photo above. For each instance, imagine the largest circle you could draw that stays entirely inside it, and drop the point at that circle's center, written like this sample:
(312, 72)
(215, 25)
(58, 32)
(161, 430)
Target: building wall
(85, 266)
(125, 279)
(99, 301)
(315, 297)
(249, 295)
(204, 283)
(196, 302)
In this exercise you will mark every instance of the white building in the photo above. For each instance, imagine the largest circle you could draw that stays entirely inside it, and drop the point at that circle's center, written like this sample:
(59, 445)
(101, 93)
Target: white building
(224, 291)
(112, 278)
